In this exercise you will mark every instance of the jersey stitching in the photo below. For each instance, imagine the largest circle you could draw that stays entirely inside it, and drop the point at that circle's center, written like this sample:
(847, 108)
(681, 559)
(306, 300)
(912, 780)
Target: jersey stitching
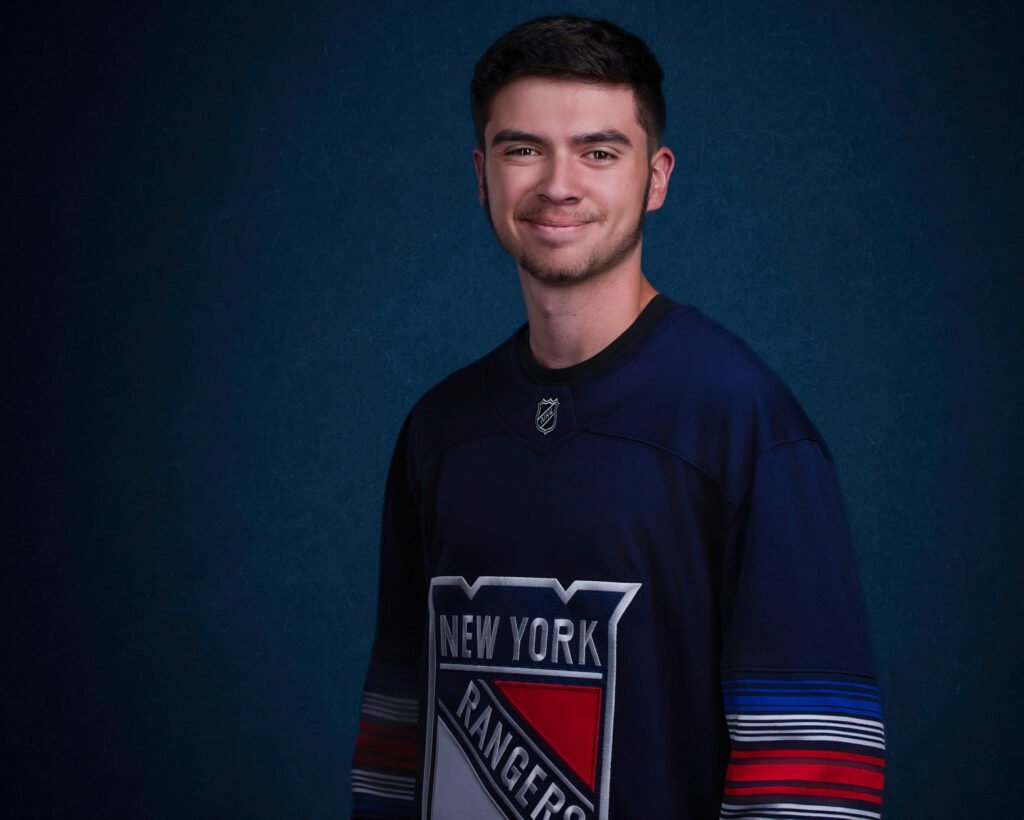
(772, 448)
(662, 449)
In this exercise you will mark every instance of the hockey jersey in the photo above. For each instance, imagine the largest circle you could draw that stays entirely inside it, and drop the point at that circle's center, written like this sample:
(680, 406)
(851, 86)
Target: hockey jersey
(623, 589)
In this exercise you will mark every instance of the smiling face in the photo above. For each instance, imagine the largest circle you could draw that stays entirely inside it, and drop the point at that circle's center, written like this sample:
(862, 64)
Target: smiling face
(565, 177)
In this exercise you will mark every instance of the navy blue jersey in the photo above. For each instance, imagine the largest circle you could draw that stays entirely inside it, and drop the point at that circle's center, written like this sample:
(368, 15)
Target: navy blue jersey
(623, 589)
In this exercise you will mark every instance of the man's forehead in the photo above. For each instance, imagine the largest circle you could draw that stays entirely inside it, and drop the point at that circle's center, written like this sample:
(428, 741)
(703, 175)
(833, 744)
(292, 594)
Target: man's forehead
(563, 106)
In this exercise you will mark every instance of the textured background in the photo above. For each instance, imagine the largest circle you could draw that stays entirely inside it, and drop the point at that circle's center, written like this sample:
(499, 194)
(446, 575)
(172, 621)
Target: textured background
(243, 240)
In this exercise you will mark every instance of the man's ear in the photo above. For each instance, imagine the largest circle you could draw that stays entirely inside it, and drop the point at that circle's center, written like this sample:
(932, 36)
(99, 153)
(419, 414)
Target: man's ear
(478, 163)
(662, 164)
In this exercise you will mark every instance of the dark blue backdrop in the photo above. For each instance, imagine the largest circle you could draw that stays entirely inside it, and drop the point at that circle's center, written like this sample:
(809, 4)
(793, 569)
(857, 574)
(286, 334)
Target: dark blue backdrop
(243, 239)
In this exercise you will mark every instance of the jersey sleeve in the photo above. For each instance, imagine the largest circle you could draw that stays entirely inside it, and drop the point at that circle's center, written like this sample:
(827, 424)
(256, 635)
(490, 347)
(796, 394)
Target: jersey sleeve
(801, 702)
(385, 761)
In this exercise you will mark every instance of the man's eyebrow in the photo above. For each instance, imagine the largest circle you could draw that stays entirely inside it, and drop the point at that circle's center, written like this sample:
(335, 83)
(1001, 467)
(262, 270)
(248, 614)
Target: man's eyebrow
(609, 135)
(514, 135)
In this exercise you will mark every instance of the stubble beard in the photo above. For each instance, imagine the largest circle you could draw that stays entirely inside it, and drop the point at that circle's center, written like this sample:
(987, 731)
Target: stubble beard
(597, 264)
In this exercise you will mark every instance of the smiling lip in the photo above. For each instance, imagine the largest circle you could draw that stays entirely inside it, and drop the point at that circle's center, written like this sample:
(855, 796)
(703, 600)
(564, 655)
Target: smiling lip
(556, 225)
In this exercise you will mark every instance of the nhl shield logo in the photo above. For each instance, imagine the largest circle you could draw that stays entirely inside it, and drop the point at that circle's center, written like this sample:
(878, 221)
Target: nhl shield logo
(521, 698)
(547, 415)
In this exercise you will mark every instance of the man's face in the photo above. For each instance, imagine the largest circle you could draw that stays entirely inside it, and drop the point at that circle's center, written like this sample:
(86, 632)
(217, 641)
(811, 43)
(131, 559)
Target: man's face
(565, 177)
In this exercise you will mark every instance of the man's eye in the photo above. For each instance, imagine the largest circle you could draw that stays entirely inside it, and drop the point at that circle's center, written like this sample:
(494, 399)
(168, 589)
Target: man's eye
(521, 151)
(599, 154)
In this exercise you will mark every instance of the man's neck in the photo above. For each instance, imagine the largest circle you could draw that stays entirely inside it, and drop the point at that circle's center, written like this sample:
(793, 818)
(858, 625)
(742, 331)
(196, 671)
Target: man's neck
(569, 324)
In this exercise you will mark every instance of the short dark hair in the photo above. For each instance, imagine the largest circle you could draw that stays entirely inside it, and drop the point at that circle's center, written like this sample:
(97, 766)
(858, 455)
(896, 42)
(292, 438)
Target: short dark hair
(573, 48)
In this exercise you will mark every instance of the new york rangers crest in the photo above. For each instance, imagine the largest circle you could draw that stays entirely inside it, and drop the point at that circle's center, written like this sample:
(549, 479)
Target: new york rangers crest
(547, 415)
(521, 698)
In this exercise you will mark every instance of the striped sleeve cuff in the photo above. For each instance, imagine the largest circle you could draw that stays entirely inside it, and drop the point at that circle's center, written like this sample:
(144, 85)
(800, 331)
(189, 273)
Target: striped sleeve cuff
(807, 746)
(384, 764)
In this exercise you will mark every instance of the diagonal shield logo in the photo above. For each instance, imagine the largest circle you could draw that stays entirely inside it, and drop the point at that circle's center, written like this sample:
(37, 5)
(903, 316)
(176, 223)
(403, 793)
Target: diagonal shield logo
(547, 415)
(521, 697)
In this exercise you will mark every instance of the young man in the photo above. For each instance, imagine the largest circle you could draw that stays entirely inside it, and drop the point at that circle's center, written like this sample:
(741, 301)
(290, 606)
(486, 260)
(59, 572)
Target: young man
(615, 575)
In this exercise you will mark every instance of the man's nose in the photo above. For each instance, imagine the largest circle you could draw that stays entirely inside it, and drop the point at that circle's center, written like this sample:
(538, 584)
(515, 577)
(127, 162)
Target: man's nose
(561, 181)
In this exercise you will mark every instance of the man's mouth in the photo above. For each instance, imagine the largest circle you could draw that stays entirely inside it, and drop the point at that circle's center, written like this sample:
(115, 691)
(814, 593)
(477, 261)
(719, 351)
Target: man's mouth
(558, 223)
(555, 225)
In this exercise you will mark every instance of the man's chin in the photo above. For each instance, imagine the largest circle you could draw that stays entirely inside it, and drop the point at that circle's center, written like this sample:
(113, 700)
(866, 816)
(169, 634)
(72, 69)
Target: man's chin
(558, 273)
(567, 272)
(557, 278)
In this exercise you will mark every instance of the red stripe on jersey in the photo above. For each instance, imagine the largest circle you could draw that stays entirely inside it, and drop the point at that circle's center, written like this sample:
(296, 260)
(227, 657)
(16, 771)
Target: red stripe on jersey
(378, 745)
(839, 774)
(839, 793)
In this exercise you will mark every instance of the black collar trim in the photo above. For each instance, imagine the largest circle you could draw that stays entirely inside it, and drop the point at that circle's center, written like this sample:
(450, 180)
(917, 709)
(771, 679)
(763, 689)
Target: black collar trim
(657, 309)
